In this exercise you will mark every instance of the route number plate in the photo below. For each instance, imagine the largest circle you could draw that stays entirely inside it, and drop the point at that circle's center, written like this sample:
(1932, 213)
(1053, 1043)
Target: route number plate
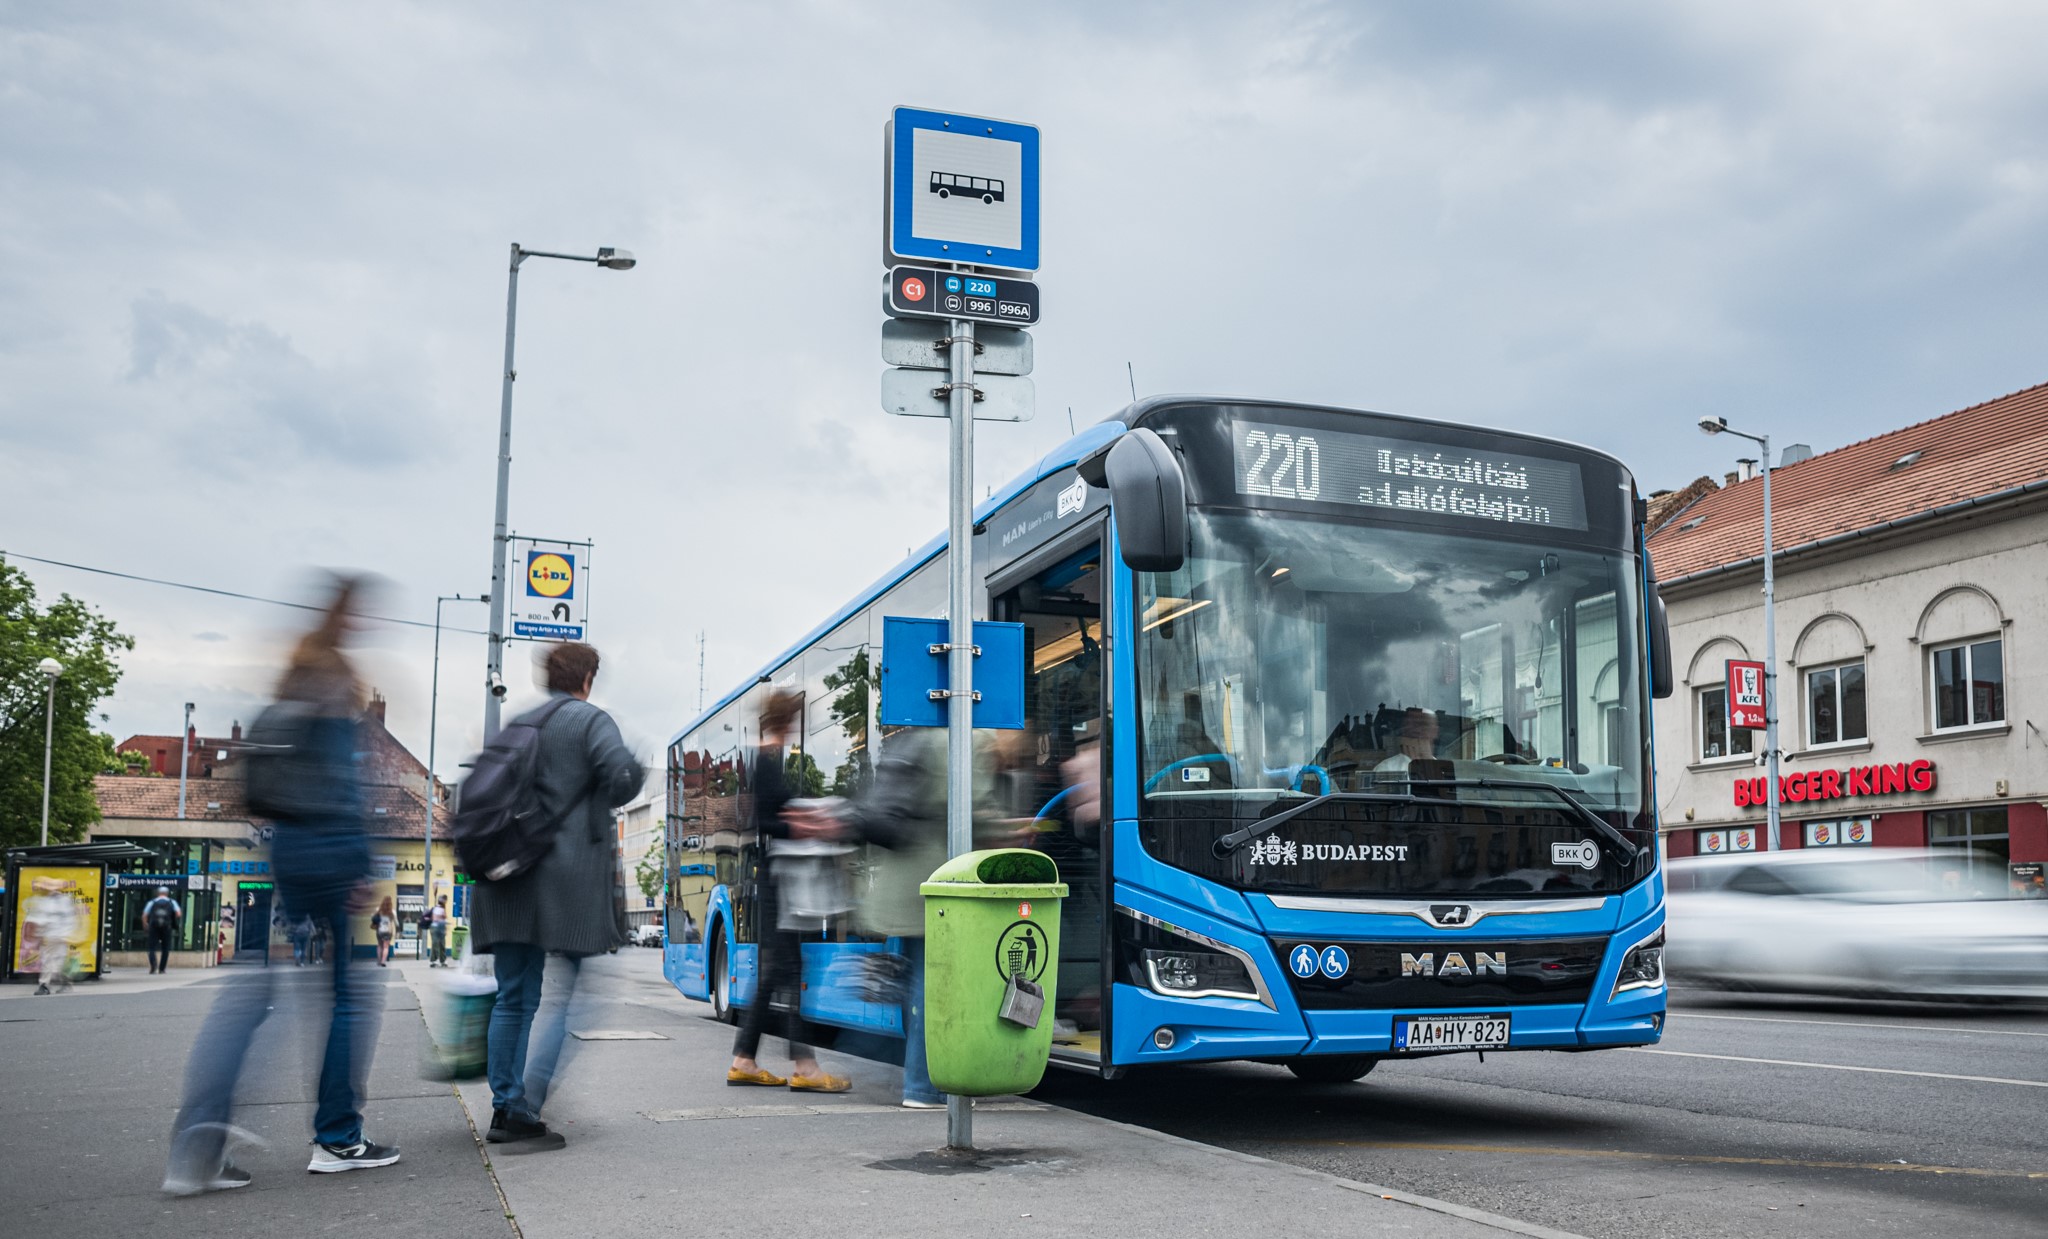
(1468, 1032)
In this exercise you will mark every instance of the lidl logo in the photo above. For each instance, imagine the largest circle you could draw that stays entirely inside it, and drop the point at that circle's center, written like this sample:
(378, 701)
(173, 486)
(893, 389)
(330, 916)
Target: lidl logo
(549, 575)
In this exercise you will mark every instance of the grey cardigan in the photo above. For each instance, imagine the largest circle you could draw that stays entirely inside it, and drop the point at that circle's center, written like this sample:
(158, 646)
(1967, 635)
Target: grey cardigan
(569, 901)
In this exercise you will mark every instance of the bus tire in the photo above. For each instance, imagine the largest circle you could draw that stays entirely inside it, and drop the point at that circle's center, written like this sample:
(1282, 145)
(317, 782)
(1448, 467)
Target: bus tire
(721, 981)
(1332, 1068)
(945, 194)
(990, 199)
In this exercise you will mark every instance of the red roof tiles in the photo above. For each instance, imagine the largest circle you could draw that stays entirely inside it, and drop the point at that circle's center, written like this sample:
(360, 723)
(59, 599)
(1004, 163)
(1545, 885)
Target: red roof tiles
(1982, 450)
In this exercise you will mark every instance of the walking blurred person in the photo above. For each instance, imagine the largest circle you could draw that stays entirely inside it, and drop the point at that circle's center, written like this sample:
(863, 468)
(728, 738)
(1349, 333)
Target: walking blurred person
(384, 924)
(52, 915)
(566, 903)
(302, 774)
(904, 814)
(160, 917)
(780, 962)
(437, 924)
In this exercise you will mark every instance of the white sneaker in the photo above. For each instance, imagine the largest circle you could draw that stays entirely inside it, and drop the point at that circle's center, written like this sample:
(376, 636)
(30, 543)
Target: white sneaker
(910, 1104)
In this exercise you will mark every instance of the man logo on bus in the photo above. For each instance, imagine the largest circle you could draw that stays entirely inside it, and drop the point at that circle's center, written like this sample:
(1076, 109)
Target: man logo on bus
(549, 575)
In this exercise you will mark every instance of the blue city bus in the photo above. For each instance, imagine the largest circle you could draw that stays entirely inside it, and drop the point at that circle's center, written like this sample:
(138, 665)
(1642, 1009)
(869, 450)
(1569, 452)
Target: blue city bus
(1366, 701)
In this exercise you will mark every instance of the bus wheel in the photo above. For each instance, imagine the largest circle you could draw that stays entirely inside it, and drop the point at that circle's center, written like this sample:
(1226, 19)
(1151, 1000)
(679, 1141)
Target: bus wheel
(945, 194)
(989, 199)
(721, 981)
(1332, 1068)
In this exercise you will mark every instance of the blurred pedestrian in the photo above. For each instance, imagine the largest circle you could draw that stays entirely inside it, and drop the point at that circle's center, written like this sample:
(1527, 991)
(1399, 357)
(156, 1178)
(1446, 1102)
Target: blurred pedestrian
(52, 915)
(437, 925)
(302, 938)
(384, 924)
(302, 772)
(160, 917)
(904, 815)
(779, 964)
(565, 904)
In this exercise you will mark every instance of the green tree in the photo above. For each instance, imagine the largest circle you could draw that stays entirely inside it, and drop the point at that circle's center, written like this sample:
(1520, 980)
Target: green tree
(801, 771)
(648, 871)
(115, 760)
(87, 643)
(851, 685)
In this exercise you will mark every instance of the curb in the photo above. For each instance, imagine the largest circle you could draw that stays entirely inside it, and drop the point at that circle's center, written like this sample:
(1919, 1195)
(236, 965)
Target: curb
(1430, 1203)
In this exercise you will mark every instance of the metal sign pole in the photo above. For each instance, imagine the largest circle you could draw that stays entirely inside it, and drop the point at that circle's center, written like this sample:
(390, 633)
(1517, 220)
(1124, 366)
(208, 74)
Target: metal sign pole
(960, 659)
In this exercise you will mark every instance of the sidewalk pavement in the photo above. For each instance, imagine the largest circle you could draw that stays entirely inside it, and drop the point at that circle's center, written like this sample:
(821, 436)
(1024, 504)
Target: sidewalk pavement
(660, 1144)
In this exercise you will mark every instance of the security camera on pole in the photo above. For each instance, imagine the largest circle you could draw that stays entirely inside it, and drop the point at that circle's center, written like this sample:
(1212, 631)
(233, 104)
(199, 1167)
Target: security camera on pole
(960, 221)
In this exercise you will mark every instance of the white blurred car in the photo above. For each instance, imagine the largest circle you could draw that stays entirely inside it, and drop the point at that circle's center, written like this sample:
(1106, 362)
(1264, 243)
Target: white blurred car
(650, 935)
(1869, 922)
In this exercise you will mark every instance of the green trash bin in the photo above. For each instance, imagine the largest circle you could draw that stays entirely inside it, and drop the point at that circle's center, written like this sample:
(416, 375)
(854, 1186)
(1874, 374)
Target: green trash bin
(457, 935)
(992, 948)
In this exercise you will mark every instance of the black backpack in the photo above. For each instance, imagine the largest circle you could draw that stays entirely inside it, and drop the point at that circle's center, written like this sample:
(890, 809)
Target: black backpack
(499, 829)
(284, 777)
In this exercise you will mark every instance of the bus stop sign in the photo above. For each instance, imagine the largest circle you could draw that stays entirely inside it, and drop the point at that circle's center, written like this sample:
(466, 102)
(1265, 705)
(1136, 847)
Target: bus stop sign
(960, 189)
(915, 677)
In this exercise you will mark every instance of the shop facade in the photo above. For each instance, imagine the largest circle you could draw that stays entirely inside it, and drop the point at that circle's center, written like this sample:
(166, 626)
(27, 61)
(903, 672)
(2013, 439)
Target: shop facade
(1912, 609)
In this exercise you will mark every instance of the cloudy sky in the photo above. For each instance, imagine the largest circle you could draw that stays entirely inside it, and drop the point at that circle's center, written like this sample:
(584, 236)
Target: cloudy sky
(252, 269)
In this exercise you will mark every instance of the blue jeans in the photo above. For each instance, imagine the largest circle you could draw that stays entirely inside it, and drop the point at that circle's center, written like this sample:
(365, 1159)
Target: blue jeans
(917, 1078)
(520, 1066)
(223, 1045)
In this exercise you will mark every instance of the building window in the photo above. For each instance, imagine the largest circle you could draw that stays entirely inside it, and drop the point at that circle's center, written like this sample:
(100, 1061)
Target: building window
(1969, 684)
(1982, 834)
(1717, 740)
(1834, 705)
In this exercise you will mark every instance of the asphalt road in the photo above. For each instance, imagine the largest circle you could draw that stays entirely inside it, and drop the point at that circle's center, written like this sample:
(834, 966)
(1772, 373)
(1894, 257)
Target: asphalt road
(1754, 1117)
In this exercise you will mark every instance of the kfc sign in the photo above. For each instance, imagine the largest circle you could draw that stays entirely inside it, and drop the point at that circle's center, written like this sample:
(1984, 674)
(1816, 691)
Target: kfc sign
(1809, 786)
(1746, 695)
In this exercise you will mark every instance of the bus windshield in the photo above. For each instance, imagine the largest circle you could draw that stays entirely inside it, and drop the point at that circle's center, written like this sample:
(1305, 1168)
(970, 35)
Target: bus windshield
(1416, 685)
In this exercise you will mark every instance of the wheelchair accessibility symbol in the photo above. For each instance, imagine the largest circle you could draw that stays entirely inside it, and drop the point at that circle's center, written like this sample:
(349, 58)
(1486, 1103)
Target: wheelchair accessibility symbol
(1335, 962)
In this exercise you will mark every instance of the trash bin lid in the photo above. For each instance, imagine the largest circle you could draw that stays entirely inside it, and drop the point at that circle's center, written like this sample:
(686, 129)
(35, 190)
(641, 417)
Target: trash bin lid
(997, 873)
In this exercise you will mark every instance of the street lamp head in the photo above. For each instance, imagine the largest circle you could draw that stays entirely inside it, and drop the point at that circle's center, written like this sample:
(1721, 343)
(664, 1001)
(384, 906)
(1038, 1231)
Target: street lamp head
(1713, 425)
(615, 259)
(50, 667)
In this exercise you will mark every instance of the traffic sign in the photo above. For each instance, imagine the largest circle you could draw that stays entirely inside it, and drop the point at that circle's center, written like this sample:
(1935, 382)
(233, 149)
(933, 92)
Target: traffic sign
(923, 393)
(914, 343)
(915, 676)
(927, 292)
(960, 189)
(550, 601)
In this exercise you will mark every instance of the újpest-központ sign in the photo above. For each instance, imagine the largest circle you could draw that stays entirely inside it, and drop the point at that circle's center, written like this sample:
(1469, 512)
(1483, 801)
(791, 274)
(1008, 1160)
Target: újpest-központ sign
(1808, 786)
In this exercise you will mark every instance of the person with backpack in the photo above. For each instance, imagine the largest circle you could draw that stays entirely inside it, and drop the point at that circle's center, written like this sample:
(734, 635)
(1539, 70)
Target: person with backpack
(160, 916)
(384, 924)
(535, 828)
(301, 773)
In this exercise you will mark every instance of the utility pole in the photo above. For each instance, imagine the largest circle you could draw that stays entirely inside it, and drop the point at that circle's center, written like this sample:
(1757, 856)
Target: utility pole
(960, 639)
(184, 759)
(700, 671)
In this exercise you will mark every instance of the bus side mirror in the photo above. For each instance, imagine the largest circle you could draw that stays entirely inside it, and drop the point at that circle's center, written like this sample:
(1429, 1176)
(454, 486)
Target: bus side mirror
(1148, 499)
(1661, 683)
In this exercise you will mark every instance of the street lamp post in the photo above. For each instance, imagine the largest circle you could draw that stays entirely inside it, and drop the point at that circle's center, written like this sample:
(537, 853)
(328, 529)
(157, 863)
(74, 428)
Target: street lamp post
(184, 759)
(51, 669)
(433, 734)
(1715, 426)
(494, 672)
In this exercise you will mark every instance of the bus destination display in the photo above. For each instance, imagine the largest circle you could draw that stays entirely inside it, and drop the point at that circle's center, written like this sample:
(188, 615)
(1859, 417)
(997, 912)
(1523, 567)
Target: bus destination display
(1335, 466)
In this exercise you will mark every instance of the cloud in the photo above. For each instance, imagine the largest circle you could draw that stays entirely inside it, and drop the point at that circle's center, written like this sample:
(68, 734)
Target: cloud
(253, 274)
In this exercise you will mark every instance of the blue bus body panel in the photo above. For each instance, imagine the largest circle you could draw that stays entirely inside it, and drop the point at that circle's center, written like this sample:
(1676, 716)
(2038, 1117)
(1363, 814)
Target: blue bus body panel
(834, 988)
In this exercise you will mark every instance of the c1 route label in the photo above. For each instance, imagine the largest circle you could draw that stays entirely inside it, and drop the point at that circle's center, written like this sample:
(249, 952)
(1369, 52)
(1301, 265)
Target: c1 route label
(928, 292)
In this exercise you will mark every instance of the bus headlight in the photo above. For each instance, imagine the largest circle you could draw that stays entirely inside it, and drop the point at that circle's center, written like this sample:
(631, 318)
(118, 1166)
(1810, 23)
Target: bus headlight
(1642, 967)
(1181, 963)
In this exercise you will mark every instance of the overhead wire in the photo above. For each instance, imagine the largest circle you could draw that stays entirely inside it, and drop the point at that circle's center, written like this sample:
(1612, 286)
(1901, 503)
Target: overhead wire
(228, 593)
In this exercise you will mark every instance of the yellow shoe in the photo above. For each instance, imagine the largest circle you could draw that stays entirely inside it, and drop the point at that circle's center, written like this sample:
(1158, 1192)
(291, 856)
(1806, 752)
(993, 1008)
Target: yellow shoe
(827, 1083)
(762, 1077)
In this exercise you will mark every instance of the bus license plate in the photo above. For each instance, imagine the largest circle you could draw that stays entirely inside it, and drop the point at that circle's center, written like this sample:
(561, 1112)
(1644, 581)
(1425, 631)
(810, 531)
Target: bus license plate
(1466, 1032)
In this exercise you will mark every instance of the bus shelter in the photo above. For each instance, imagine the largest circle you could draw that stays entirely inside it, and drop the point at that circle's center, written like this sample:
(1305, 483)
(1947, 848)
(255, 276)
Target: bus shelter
(75, 872)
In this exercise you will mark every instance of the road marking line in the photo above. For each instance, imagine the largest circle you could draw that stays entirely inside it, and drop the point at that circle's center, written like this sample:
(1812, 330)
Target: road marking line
(1882, 1071)
(1637, 1155)
(1770, 1019)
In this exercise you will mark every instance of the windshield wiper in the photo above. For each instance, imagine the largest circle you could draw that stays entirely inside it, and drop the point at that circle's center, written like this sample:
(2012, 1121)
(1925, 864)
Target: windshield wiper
(1236, 839)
